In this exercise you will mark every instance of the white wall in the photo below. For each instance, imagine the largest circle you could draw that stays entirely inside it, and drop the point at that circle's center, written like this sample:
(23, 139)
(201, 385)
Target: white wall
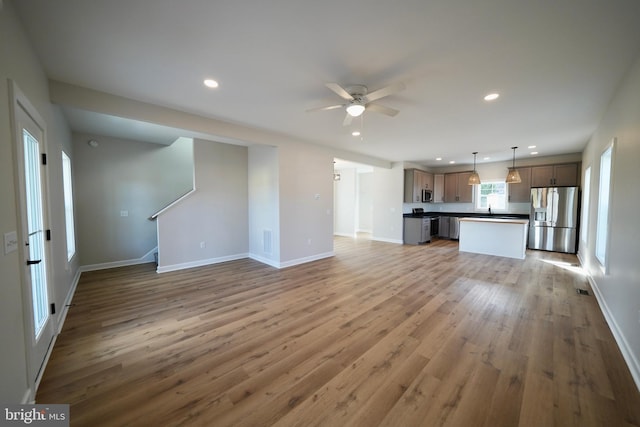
(19, 63)
(345, 196)
(365, 202)
(211, 225)
(123, 175)
(264, 208)
(618, 291)
(388, 198)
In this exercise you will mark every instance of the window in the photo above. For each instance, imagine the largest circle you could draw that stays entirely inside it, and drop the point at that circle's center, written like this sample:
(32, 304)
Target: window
(491, 194)
(68, 206)
(585, 205)
(604, 194)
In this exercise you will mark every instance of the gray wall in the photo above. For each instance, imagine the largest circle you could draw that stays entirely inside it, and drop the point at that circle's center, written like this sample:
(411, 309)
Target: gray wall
(19, 63)
(619, 289)
(210, 225)
(124, 175)
(306, 203)
(264, 209)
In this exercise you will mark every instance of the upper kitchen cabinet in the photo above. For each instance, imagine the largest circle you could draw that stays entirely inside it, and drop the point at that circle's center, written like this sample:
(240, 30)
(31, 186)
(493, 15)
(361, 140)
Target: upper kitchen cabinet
(562, 175)
(521, 192)
(438, 188)
(415, 181)
(457, 188)
(428, 181)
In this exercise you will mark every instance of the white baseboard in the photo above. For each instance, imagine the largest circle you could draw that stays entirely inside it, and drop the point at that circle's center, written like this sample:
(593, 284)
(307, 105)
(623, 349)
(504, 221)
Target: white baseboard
(292, 262)
(345, 234)
(67, 301)
(304, 260)
(27, 398)
(199, 263)
(146, 258)
(383, 239)
(623, 345)
(267, 261)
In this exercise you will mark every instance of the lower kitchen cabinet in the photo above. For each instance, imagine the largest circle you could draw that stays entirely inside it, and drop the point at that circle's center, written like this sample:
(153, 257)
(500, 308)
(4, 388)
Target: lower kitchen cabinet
(417, 230)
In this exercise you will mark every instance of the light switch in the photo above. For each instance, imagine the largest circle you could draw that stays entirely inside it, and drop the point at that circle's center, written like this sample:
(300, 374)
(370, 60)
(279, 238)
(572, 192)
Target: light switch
(124, 213)
(10, 242)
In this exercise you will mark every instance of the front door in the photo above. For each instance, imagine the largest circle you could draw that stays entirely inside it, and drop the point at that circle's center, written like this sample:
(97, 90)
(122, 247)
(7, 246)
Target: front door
(29, 140)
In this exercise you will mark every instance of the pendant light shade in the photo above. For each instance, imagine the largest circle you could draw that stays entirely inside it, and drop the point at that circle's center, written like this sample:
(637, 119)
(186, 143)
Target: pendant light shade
(513, 177)
(474, 178)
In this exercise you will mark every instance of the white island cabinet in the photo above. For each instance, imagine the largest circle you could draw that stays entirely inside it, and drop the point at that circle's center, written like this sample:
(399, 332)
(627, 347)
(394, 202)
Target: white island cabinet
(494, 236)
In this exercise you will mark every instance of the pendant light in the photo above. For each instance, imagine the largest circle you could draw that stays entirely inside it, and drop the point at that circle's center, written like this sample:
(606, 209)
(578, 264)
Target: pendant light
(474, 178)
(513, 177)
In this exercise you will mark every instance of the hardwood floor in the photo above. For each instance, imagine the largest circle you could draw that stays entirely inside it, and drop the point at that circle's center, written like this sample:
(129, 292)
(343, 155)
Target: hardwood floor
(380, 334)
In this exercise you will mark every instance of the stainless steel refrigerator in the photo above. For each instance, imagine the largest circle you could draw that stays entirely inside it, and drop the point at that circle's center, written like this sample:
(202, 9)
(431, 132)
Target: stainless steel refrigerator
(553, 222)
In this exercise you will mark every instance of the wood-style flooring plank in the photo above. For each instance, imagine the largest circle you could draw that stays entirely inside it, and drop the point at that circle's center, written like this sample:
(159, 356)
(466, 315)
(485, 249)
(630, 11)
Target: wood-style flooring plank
(380, 334)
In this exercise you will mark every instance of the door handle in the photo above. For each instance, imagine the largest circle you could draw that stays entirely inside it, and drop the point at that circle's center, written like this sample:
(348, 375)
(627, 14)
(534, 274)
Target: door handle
(35, 261)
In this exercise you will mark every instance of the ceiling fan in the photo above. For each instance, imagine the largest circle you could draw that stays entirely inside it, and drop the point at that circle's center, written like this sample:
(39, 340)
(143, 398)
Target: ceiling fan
(359, 100)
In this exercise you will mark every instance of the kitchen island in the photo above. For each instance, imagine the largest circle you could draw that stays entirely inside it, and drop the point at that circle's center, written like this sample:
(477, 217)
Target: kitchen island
(505, 237)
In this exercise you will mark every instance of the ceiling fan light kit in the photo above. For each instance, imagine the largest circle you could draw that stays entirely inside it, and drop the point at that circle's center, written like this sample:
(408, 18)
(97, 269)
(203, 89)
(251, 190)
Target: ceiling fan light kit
(355, 109)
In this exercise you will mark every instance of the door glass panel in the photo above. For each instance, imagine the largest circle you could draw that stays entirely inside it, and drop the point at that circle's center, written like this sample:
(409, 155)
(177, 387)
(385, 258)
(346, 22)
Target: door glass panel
(35, 231)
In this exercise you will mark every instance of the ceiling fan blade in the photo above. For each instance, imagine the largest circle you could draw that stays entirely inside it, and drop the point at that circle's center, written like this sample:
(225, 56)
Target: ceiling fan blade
(342, 93)
(382, 109)
(330, 107)
(347, 120)
(385, 91)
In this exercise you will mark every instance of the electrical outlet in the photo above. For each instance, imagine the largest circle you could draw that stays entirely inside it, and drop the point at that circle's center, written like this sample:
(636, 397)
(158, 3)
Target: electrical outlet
(309, 242)
(124, 213)
(203, 245)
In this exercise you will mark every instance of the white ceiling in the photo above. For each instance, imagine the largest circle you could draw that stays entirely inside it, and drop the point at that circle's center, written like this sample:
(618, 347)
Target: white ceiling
(556, 64)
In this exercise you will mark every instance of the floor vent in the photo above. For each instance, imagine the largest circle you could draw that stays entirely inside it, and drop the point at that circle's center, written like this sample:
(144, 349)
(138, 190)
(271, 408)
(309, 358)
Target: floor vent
(582, 292)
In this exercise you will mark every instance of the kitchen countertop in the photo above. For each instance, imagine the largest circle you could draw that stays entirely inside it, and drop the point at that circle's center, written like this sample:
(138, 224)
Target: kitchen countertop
(468, 215)
(497, 220)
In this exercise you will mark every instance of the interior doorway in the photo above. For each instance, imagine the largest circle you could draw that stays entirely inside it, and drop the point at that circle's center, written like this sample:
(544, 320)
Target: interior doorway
(353, 198)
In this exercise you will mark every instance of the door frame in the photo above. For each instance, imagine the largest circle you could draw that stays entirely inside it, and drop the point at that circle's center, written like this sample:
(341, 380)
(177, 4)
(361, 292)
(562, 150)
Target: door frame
(34, 370)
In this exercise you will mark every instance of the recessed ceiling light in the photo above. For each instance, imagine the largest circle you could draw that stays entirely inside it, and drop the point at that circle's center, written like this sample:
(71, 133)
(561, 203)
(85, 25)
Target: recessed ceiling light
(452, 162)
(533, 153)
(492, 97)
(438, 158)
(487, 158)
(531, 146)
(355, 133)
(211, 83)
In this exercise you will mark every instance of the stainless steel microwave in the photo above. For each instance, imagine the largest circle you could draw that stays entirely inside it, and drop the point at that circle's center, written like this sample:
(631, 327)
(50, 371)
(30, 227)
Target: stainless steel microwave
(427, 196)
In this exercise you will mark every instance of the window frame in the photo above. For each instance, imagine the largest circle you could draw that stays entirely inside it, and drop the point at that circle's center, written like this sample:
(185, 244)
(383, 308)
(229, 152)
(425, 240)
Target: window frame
(586, 196)
(605, 195)
(478, 196)
(69, 216)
